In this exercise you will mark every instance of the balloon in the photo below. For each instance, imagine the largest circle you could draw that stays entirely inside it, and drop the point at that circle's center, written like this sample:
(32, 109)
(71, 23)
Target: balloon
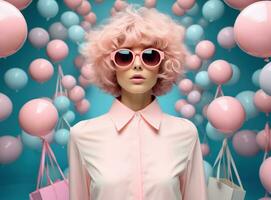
(150, 3)
(47, 8)
(10, 149)
(79, 61)
(76, 33)
(226, 114)
(198, 119)
(119, 5)
(203, 22)
(38, 37)
(194, 34)
(202, 80)
(68, 82)
(84, 8)
(179, 104)
(265, 174)
(38, 117)
(15, 78)
(205, 149)
(186, 21)
(91, 18)
(256, 78)
(86, 71)
(252, 29)
(69, 18)
(13, 29)
(73, 4)
(193, 11)
(185, 85)
(83, 82)
(262, 101)
(262, 138)
(41, 70)
(62, 103)
(225, 38)
(208, 171)
(206, 98)
(244, 143)
(188, 111)
(194, 97)
(69, 116)
(246, 98)
(264, 79)
(57, 50)
(6, 107)
(220, 71)
(82, 106)
(34, 142)
(212, 10)
(58, 31)
(85, 25)
(235, 75)
(205, 49)
(239, 5)
(177, 10)
(76, 94)
(193, 62)
(213, 133)
(61, 136)
(20, 4)
(186, 4)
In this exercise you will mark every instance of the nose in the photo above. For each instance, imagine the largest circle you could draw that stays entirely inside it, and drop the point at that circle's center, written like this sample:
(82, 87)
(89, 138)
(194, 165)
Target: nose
(137, 63)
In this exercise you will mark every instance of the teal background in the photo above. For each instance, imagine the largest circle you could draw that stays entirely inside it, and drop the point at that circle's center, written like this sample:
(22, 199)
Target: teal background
(18, 179)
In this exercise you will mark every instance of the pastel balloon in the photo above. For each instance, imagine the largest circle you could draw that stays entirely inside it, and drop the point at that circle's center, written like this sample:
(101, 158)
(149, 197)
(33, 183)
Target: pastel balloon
(205, 149)
(41, 70)
(86, 71)
(91, 18)
(198, 119)
(256, 78)
(193, 62)
(69, 116)
(235, 75)
(252, 31)
(10, 149)
(85, 25)
(213, 133)
(206, 98)
(47, 8)
(262, 140)
(61, 136)
(205, 49)
(193, 97)
(68, 82)
(150, 3)
(6, 107)
(177, 10)
(20, 4)
(13, 29)
(202, 80)
(84, 8)
(16, 78)
(186, 4)
(38, 117)
(76, 94)
(38, 37)
(185, 85)
(83, 82)
(265, 80)
(212, 10)
(194, 10)
(188, 111)
(73, 4)
(119, 5)
(179, 104)
(79, 61)
(226, 114)
(225, 38)
(203, 22)
(244, 143)
(62, 103)
(246, 98)
(82, 106)
(239, 5)
(69, 18)
(76, 33)
(265, 174)
(57, 50)
(262, 101)
(194, 34)
(58, 31)
(186, 21)
(208, 170)
(220, 72)
(34, 142)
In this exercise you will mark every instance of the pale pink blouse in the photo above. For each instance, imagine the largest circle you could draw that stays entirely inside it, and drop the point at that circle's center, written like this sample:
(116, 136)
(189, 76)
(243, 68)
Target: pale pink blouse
(142, 155)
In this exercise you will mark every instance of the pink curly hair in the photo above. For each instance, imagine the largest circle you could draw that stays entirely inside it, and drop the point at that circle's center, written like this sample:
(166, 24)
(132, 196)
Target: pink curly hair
(132, 27)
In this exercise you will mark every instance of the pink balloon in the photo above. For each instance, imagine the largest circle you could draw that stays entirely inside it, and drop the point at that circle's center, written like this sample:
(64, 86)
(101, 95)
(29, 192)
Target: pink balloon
(240, 4)
(225, 38)
(73, 4)
(6, 107)
(83, 82)
(185, 85)
(84, 8)
(76, 94)
(120, 5)
(177, 10)
(220, 71)
(10, 149)
(252, 29)
(262, 140)
(226, 114)
(265, 174)
(20, 4)
(262, 101)
(186, 4)
(205, 49)
(91, 18)
(193, 62)
(13, 29)
(188, 111)
(68, 82)
(244, 143)
(41, 70)
(179, 104)
(194, 97)
(82, 106)
(57, 50)
(150, 3)
(205, 149)
(38, 117)
(79, 61)
(85, 25)
(86, 71)
(38, 37)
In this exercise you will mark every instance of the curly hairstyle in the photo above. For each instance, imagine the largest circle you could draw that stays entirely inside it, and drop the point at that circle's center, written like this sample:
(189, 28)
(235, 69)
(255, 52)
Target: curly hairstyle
(133, 26)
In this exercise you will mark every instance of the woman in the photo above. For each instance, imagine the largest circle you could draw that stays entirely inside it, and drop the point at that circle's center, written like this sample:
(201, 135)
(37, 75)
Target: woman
(135, 151)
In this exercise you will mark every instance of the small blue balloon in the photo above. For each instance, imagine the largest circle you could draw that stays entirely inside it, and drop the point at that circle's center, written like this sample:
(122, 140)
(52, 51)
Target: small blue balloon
(69, 18)
(202, 80)
(213, 10)
(47, 8)
(193, 11)
(208, 170)
(33, 142)
(69, 116)
(198, 119)
(256, 78)
(246, 98)
(62, 103)
(213, 133)
(235, 75)
(186, 21)
(194, 34)
(61, 136)
(76, 33)
(16, 78)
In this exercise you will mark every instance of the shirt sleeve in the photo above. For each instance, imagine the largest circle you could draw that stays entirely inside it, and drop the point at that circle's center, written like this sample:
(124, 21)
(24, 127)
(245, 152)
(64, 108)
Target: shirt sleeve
(192, 182)
(79, 178)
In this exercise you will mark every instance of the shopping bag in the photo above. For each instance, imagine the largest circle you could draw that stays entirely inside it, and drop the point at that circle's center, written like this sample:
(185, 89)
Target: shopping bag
(225, 188)
(58, 190)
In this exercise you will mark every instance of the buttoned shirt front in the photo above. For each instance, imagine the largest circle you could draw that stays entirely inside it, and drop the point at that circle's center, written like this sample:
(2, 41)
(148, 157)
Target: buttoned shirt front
(135, 155)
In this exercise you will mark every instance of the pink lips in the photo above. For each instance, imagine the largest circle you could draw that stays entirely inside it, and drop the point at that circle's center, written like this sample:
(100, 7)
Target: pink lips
(137, 78)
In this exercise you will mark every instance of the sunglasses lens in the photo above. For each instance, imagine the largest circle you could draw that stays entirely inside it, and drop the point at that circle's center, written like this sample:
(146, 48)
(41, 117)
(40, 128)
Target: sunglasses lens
(123, 57)
(151, 57)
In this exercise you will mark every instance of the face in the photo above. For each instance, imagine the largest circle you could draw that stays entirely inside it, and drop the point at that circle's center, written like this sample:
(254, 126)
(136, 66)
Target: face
(137, 86)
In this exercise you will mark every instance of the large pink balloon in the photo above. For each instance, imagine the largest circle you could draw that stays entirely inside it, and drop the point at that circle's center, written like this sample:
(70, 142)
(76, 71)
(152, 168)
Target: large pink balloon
(226, 114)
(41, 70)
(10, 149)
(82, 106)
(225, 38)
(76, 94)
(205, 49)
(239, 4)
(220, 71)
(13, 29)
(262, 140)
(252, 30)
(186, 4)
(265, 174)
(193, 62)
(6, 107)
(262, 101)
(38, 117)
(20, 4)
(57, 50)
(73, 4)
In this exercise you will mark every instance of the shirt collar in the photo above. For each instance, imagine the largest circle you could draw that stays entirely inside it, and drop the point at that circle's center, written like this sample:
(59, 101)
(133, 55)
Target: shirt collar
(121, 114)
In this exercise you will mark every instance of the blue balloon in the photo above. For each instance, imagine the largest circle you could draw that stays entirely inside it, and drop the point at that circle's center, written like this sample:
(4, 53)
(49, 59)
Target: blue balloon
(69, 116)
(69, 18)
(61, 136)
(206, 98)
(47, 8)
(235, 75)
(256, 78)
(246, 99)
(186, 21)
(193, 11)
(202, 80)
(194, 34)
(62, 103)
(198, 119)
(76, 33)
(213, 9)
(213, 133)
(208, 170)
(16, 78)
(33, 142)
